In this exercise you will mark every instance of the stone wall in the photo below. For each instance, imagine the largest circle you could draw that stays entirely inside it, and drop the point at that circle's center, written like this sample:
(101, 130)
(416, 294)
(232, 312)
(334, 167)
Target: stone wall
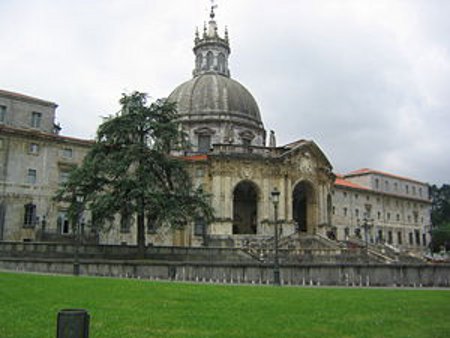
(210, 265)
(231, 273)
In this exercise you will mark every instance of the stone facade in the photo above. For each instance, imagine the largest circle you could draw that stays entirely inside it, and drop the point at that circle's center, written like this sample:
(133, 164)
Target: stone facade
(34, 160)
(397, 209)
(228, 158)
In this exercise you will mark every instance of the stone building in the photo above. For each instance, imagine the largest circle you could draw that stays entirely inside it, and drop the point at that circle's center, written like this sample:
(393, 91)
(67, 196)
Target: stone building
(228, 157)
(34, 160)
(396, 209)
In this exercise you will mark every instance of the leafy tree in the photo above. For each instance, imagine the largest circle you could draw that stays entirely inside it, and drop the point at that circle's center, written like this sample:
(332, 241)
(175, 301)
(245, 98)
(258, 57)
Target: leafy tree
(130, 171)
(440, 216)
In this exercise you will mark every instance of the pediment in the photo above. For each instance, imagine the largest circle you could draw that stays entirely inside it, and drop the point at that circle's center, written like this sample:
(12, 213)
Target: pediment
(307, 156)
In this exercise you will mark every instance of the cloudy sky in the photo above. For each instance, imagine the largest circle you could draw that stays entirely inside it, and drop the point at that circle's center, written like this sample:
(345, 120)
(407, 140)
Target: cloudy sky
(368, 81)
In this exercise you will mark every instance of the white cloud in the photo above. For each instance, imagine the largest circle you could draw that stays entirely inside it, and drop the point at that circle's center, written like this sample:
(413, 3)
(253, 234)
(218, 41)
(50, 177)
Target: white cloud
(367, 80)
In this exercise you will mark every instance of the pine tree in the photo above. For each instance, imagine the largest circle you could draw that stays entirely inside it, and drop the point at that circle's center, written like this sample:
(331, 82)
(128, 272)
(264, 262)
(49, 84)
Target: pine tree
(130, 171)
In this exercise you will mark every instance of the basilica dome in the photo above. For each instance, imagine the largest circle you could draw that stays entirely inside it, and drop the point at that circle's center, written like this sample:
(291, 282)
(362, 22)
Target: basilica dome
(216, 96)
(213, 108)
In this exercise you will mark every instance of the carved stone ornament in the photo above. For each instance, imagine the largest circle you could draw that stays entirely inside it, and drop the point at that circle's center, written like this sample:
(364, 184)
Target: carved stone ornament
(246, 171)
(306, 165)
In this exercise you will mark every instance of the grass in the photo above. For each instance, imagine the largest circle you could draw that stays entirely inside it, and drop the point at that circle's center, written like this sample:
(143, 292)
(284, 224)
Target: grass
(134, 308)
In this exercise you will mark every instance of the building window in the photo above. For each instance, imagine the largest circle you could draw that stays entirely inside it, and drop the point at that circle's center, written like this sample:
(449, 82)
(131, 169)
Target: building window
(395, 186)
(380, 236)
(32, 176)
(2, 114)
(357, 212)
(379, 215)
(386, 185)
(411, 238)
(199, 227)
(377, 183)
(367, 198)
(36, 119)
(345, 211)
(30, 215)
(33, 148)
(67, 152)
(151, 223)
(407, 189)
(63, 177)
(221, 61)
(62, 223)
(345, 194)
(390, 237)
(209, 60)
(388, 216)
(356, 196)
(334, 210)
(199, 172)
(125, 219)
(424, 239)
(409, 218)
(420, 192)
(398, 217)
(204, 143)
(346, 232)
(417, 235)
(399, 238)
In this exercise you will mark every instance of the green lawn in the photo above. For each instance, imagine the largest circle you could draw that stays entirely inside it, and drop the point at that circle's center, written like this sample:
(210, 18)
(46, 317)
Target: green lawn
(134, 308)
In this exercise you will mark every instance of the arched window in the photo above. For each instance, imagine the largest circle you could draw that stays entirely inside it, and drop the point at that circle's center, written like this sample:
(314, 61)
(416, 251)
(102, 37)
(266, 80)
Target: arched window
(198, 61)
(221, 62)
(209, 60)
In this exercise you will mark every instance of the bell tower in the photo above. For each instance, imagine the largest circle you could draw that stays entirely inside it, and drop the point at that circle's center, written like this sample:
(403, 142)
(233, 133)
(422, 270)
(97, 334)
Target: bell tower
(211, 50)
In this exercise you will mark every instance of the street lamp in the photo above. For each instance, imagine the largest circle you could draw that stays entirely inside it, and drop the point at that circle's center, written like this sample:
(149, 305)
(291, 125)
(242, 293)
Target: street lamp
(276, 264)
(367, 223)
(76, 261)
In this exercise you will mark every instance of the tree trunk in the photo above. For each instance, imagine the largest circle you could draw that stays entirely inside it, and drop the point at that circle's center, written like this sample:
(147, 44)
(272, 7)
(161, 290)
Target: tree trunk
(141, 209)
(141, 234)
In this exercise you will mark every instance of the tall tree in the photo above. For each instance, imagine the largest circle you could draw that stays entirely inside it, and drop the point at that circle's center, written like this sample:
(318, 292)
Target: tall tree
(440, 217)
(130, 170)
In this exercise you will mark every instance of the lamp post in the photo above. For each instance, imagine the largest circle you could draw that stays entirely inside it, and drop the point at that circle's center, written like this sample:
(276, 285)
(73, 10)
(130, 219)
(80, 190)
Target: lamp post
(367, 223)
(76, 260)
(276, 264)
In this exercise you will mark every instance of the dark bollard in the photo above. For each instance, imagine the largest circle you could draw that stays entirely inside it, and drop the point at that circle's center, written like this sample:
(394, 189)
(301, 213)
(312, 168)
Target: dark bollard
(72, 323)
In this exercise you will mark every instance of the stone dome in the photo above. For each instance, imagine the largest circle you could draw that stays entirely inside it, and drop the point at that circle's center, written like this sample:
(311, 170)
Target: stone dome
(215, 96)
(214, 109)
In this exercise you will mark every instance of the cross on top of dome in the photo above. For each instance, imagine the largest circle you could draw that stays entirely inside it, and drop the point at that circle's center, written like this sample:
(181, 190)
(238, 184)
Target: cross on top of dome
(213, 7)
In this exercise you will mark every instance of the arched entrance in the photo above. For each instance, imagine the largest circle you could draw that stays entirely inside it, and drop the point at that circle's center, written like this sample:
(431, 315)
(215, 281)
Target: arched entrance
(303, 207)
(245, 208)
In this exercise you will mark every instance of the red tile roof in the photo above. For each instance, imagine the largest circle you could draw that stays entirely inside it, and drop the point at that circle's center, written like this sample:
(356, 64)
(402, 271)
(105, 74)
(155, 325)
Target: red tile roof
(367, 171)
(347, 184)
(195, 158)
